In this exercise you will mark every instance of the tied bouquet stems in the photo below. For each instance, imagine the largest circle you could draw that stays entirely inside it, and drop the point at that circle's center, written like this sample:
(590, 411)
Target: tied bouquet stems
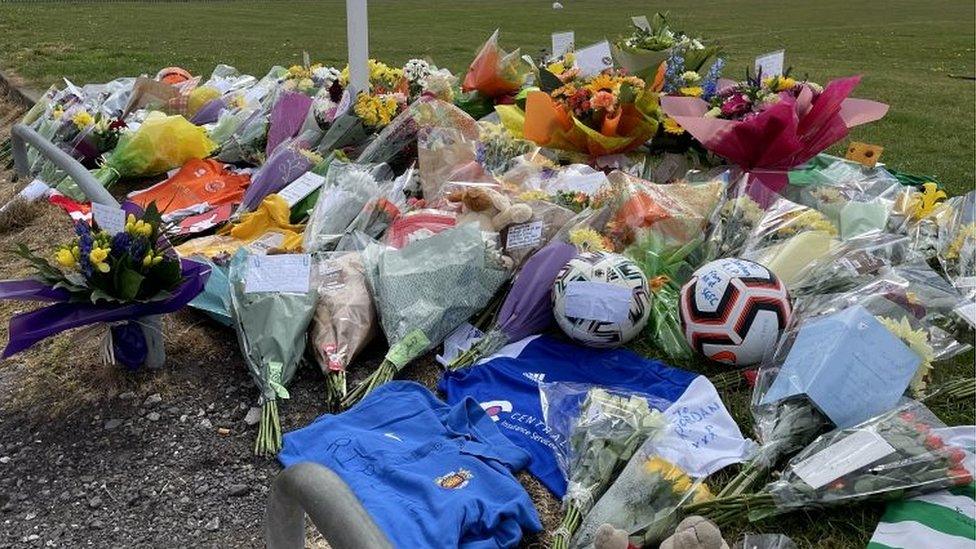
(426, 290)
(897, 454)
(100, 277)
(526, 310)
(604, 431)
(271, 328)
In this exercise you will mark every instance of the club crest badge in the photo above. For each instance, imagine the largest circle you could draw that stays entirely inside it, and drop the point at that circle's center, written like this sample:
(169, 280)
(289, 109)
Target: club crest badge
(455, 480)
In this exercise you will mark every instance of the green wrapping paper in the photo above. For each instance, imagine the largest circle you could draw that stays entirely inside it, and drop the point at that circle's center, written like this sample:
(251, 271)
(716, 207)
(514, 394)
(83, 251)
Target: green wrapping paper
(271, 329)
(425, 290)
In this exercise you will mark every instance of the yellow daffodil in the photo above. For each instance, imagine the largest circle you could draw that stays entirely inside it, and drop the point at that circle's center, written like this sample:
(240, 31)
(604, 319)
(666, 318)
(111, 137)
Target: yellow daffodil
(152, 259)
(97, 257)
(137, 227)
(66, 258)
(82, 120)
(917, 341)
(779, 83)
(57, 112)
(966, 232)
(702, 493)
(691, 91)
(375, 110)
(672, 127)
(926, 202)
(681, 484)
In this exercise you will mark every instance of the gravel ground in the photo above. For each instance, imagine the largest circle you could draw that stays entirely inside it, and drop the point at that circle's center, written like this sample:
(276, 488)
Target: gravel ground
(94, 457)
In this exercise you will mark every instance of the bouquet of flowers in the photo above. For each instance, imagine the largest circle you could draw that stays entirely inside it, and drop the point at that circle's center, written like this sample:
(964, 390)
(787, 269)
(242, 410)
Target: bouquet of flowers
(425, 290)
(344, 320)
(644, 499)
(605, 114)
(646, 48)
(602, 431)
(271, 328)
(160, 143)
(891, 456)
(494, 72)
(526, 309)
(851, 263)
(286, 164)
(347, 190)
(773, 123)
(957, 242)
(100, 277)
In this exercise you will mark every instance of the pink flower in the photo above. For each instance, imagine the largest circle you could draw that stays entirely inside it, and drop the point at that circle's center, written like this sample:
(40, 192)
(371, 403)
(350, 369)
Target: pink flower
(603, 100)
(735, 105)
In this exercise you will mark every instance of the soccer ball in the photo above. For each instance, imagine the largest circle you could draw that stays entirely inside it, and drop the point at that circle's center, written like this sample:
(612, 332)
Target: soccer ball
(733, 311)
(601, 299)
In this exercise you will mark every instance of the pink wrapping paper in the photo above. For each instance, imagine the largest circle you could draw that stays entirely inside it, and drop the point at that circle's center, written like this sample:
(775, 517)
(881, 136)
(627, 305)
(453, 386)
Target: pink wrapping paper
(784, 135)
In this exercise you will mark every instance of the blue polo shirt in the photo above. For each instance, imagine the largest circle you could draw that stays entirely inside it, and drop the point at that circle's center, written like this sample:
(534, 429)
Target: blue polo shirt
(430, 474)
(507, 387)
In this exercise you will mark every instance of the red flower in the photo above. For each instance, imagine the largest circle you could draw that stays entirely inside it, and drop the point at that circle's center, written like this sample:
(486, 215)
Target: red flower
(956, 455)
(960, 475)
(907, 416)
(934, 442)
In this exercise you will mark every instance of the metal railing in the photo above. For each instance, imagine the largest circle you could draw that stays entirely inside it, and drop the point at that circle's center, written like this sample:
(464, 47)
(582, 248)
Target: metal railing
(337, 513)
(21, 136)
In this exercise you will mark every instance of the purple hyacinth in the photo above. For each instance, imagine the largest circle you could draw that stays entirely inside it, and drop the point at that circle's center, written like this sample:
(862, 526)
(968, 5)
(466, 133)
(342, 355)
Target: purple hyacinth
(120, 244)
(85, 242)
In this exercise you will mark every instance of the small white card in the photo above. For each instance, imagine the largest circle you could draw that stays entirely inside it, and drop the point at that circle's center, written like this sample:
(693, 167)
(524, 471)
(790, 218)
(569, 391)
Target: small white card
(593, 60)
(301, 187)
(641, 22)
(523, 235)
(598, 301)
(851, 453)
(265, 243)
(108, 219)
(562, 42)
(770, 64)
(459, 341)
(278, 273)
(34, 190)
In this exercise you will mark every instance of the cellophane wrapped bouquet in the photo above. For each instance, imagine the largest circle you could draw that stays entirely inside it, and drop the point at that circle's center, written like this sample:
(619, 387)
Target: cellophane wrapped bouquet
(425, 290)
(494, 74)
(775, 122)
(609, 113)
(957, 242)
(100, 277)
(347, 190)
(897, 454)
(643, 52)
(272, 331)
(645, 498)
(344, 321)
(602, 429)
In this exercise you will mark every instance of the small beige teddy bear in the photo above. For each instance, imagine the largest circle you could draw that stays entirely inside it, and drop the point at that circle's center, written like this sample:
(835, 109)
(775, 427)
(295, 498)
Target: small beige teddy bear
(695, 532)
(491, 209)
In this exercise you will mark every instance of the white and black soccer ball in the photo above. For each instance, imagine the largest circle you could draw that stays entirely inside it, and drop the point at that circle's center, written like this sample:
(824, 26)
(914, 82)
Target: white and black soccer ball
(601, 299)
(733, 311)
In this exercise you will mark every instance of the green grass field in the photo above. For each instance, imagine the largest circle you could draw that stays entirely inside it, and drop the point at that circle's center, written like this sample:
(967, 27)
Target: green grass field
(909, 53)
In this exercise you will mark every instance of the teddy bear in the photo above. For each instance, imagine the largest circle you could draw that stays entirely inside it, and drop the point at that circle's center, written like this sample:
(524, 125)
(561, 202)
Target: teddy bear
(492, 210)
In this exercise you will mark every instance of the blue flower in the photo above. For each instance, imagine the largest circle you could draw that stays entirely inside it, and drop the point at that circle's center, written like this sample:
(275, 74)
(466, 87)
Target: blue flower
(120, 244)
(710, 84)
(673, 71)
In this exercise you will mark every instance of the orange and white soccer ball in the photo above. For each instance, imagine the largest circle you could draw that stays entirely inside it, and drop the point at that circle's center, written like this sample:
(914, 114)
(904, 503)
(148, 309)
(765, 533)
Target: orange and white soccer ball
(733, 311)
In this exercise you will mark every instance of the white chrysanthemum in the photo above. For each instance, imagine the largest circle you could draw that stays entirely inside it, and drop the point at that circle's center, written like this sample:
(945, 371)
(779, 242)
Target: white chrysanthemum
(696, 44)
(325, 76)
(416, 70)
